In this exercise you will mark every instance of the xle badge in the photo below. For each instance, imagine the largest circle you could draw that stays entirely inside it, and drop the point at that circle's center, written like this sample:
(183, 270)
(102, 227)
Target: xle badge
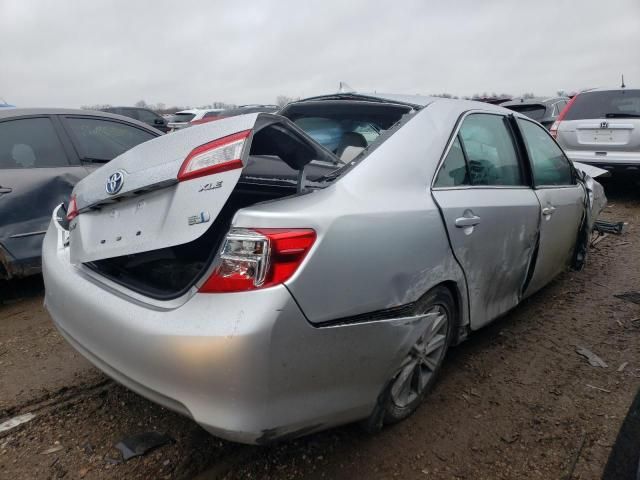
(202, 217)
(210, 186)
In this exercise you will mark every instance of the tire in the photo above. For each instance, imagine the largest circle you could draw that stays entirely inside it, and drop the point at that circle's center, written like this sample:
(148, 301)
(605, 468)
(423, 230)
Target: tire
(419, 370)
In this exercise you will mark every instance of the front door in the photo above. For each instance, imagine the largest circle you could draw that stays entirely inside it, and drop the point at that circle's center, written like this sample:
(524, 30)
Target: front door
(490, 213)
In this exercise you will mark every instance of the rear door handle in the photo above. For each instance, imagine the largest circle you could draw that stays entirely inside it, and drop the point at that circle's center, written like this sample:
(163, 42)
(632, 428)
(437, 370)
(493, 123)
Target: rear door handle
(5, 190)
(548, 210)
(463, 222)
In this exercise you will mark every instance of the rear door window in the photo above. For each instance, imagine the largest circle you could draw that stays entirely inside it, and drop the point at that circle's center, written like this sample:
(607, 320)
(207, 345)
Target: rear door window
(548, 162)
(606, 104)
(490, 151)
(103, 140)
(453, 171)
(30, 143)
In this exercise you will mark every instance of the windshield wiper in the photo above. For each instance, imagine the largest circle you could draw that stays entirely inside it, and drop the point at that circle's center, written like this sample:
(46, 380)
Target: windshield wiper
(622, 115)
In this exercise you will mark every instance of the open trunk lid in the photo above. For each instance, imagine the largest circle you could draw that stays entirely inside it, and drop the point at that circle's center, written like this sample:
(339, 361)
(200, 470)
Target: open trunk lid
(136, 203)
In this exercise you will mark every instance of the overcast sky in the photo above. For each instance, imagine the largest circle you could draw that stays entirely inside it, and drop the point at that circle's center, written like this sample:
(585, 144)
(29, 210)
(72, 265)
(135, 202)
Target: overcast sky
(180, 52)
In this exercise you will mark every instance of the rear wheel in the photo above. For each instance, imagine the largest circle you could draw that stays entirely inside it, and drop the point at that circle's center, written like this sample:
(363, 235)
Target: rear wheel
(423, 362)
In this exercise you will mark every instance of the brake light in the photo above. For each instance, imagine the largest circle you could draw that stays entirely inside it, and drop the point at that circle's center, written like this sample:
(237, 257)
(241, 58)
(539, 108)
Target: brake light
(217, 156)
(554, 128)
(252, 259)
(72, 210)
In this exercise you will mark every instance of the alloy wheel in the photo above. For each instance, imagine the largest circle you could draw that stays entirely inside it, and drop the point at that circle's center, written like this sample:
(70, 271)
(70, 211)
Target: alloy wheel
(423, 359)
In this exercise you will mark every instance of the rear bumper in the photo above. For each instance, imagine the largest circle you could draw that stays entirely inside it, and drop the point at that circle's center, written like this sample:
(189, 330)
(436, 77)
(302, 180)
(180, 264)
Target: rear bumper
(246, 366)
(610, 161)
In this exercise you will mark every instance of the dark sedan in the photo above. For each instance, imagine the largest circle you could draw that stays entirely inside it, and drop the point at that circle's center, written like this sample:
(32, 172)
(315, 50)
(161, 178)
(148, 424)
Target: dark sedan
(542, 110)
(145, 115)
(43, 154)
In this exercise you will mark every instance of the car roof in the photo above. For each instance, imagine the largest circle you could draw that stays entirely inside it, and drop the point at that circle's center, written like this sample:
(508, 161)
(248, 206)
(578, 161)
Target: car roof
(26, 112)
(607, 89)
(416, 101)
(533, 101)
(199, 110)
(125, 106)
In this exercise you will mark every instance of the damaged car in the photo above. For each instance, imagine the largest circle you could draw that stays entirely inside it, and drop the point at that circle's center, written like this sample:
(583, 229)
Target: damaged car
(275, 275)
(43, 154)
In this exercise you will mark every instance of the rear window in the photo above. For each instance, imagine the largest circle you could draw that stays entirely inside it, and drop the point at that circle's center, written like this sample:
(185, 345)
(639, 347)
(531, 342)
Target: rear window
(608, 104)
(147, 116)
(331, 133)
(182, 117)
(535, 112)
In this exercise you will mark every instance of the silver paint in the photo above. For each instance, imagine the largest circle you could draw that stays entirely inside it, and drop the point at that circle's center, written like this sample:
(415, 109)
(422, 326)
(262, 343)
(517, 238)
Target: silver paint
(254, 366)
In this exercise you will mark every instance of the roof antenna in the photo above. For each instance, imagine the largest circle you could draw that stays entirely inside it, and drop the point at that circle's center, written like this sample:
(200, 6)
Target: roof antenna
(623, 85)
(345, 88)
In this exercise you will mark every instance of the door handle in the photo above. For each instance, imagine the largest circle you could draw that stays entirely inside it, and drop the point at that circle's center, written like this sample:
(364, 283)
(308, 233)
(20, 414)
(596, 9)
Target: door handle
(463, 222)
(548, 210)
(5, 190)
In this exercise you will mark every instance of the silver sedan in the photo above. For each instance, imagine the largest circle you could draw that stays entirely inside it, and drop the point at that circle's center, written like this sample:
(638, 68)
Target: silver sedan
(274, 275)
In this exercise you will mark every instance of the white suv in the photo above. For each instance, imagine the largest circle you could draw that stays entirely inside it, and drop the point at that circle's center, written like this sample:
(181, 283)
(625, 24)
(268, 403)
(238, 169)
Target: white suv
(602, 127)
(184, 117)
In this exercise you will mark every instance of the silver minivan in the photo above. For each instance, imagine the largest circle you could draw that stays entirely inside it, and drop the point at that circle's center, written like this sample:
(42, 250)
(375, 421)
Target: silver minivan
(602, 127)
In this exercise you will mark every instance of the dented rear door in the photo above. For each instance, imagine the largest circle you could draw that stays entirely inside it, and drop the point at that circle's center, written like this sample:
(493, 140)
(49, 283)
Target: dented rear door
(37, 173)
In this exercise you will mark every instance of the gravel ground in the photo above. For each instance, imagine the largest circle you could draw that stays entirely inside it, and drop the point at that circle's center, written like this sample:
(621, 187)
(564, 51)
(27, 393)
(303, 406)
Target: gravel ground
(514, 401)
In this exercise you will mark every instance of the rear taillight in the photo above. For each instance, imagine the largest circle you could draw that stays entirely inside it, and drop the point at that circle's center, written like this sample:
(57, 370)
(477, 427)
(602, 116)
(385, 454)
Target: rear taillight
(251, 259)
(218, 156)
(554, 128)
(72, 209)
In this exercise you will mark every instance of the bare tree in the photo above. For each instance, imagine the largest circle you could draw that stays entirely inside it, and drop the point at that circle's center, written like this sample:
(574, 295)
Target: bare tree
(141, 104)
(100, 106)
(282, 100)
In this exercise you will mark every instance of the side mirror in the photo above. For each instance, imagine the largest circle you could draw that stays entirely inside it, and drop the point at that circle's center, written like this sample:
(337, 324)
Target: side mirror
(159, 121)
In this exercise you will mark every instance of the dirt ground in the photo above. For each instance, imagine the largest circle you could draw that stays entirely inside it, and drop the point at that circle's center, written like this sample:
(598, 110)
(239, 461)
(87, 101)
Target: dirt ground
(514, 401)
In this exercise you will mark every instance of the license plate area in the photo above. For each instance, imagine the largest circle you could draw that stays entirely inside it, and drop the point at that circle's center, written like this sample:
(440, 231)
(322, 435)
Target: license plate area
(600, 136)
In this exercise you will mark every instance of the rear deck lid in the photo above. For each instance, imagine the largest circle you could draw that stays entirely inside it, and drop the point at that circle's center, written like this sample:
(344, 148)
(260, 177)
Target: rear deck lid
(149, 198)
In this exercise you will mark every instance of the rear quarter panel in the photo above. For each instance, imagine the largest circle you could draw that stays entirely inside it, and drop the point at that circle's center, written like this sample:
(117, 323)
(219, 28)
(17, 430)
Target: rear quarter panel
(381, 241)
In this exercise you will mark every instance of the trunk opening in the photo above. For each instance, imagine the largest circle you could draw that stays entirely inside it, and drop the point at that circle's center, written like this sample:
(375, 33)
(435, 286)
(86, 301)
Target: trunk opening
(162, 253)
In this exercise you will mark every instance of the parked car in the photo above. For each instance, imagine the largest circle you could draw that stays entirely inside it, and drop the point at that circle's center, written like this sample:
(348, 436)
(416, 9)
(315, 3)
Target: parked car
(260, 276)
(43, 153)
(543, 110)
(234, 112)
(601, 127)
(145, 115)
(183, 118)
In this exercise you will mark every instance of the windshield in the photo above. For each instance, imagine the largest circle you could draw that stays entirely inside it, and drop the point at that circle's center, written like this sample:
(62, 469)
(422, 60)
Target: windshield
(608, 104)
(182, 117)
(535, 112)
